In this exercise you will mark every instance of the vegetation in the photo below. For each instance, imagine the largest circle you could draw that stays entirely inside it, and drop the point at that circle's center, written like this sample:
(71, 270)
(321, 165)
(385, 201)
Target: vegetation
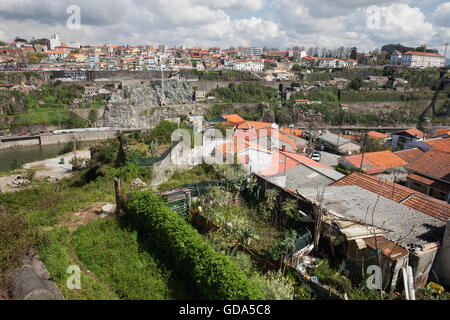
(215, 276)
(114, 253)
(56, 257)
(247, 92)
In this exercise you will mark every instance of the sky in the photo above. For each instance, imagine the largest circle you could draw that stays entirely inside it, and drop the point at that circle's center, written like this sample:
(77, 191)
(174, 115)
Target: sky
(366, 24)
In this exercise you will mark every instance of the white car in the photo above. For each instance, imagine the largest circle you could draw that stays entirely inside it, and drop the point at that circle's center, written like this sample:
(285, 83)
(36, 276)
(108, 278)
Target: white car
(316, 156)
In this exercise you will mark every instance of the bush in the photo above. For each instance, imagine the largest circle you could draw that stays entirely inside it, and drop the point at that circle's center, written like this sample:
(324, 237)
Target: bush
(16, 238)
(215, 276)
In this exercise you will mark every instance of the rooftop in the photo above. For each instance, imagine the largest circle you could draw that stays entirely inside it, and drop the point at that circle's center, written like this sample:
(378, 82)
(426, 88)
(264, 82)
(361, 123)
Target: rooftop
(407, 227)
(409, 155)
(433, 164)
(398, 193)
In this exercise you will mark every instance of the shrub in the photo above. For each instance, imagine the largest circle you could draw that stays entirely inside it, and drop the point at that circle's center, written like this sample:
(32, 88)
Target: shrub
(215, 275)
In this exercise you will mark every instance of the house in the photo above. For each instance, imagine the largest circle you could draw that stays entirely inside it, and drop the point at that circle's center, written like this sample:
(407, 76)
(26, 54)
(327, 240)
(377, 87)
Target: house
(377, 163)
(430, 174)
(252, 155)
(233, 119)
(398, 193)
(396, 58)
(423, 60)
(359, 224)
(292, 171)
(442, 144)
(267, 137)
(339, 144)
(200, 95)
(410, 155)
(90, 90)
(381, 138)
(407, 136)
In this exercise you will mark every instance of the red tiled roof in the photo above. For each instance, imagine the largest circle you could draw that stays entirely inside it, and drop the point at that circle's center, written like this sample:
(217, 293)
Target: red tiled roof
(282, 161)
(415, 133)
(398, 193)
(440, 144)
(434, 164)
(409, 155)
(377, 162)
(377, 135)
(237, 146)
(429, 54)
(435, 184)
(234, 119)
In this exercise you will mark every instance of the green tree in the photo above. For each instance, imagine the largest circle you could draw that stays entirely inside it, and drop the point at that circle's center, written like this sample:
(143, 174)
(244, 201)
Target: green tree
(121, 159)
(355, 84)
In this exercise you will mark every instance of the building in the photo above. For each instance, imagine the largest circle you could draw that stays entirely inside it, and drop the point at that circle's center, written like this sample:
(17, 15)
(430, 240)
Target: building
(267, 137)
(382, 163)
(430, 174)
(293, 171)
(54, 41)
(407, 136)
(358, 222)
(396, 58)
(339, 144)
(423, 60)
(200, 95)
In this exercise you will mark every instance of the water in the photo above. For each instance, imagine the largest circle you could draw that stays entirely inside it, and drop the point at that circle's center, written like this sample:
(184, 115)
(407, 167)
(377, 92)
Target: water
(15, 158)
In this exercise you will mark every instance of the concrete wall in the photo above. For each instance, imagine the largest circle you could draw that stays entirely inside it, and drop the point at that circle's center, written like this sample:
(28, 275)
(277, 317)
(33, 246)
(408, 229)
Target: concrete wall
(442, 263)
(69, 137)
(17, 143)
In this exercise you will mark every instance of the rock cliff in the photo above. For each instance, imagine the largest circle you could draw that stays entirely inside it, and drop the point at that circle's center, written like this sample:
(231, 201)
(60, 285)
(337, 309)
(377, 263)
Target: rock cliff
(145, 105)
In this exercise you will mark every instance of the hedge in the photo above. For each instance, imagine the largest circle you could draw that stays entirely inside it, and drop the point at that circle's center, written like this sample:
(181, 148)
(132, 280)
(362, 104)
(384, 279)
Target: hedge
(215, 275)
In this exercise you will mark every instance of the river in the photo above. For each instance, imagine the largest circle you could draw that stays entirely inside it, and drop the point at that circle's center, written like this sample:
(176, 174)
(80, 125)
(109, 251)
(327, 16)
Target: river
(11, 159)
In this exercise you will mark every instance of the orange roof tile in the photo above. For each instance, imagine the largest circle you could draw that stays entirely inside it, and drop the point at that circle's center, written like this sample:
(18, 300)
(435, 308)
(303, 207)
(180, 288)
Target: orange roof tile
(398, 193)
(386, 159)
(377, 135)
(440, 144)
(377, 162)
(237, 146)
(234, 119)
(434, 164)
(409, 155)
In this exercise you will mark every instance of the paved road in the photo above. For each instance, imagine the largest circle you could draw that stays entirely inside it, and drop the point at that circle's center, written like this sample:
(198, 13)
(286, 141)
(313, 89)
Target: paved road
(329, 159)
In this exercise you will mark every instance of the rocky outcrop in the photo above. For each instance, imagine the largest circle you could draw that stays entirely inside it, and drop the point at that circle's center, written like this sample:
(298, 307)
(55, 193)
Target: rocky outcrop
(145, 105)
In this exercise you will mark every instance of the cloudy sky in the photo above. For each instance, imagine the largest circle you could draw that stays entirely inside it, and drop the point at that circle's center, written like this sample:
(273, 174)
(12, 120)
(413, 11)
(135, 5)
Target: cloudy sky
(367, 24)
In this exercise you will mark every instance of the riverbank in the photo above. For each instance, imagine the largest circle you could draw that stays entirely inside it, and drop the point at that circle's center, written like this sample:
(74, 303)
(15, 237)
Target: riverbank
(51, 170)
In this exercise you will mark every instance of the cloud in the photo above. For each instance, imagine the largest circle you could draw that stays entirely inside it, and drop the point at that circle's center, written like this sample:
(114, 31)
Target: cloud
(442, 15)
(271, 23)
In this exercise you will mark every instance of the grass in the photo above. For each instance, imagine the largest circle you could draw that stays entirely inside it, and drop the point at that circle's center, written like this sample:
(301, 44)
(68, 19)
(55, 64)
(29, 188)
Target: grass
(56, 257)
(117, 257)
(182, 177)
(46, 205)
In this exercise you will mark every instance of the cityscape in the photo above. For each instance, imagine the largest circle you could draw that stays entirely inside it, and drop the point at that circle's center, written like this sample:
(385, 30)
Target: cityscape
(287, 151)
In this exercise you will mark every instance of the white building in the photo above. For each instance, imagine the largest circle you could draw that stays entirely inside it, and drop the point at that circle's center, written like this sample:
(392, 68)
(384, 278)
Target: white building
(299, 55)
(54, 41)
(249, 65)
(327, 63)
(396, 58)
(422, 60)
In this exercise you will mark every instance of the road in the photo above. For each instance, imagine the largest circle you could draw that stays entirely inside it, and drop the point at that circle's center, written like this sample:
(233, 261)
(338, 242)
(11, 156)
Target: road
(329, 159)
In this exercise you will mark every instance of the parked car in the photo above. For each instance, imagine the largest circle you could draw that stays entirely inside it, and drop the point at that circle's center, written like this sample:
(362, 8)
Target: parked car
(316, 156)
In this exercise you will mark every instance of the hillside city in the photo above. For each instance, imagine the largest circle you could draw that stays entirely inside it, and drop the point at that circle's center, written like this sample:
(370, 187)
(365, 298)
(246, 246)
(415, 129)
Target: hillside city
(153, 172)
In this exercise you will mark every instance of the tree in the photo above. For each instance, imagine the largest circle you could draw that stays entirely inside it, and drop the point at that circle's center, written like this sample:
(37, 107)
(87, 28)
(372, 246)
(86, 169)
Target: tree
(355, 84)
(121, 159)
(296, 68)
(354, 54)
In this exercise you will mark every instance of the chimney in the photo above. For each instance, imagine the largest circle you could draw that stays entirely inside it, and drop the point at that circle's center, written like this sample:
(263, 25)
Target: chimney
(247, 138)
(283, 149)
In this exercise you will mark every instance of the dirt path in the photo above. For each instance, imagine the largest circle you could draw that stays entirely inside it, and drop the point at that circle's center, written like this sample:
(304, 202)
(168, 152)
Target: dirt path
(82, 218)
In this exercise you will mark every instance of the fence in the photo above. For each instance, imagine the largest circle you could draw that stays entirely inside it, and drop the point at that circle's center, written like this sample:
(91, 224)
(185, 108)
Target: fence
(148, 162)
